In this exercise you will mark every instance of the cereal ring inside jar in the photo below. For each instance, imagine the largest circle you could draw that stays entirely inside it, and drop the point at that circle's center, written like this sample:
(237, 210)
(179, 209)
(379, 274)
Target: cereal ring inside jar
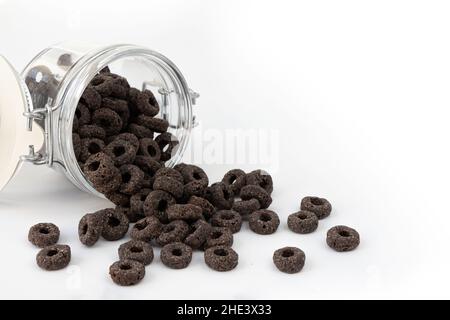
(119, 106)
(43, 234)
(137, 251)
(157, 203)
(343, 238)
(121, 152)
(303, 222)
(109, 120)
(174, 231)
(221, 258)
(76, 142)
(132, 178)
(90, 228)
(102, 85)
(319, 206)
(127, 272)
(256, 192)
(83, 114)
(150, 167)
(220, 195)
(99, 168)
(168, 144)
(289, 259)
(146, 229)
(54, 257)
(219, 236)
(260, 178)
(140, 131)
(236, 179)
(143, 102)
(115, 226)
(91, 98)
(89, 147)
(149, 148)
(92, 131)
(227, 218)
(176, 255)
(126, 136)
(264, 222)
(154, 124)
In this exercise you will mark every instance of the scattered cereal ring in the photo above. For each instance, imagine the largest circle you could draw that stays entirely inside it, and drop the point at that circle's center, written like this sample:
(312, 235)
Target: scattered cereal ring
(200, 230)
(127, 272)
(186, 212)
(136, 250)
(320, 206)
(303, 222)
(220, 195)
(219, 236)
(132, 178)
(256, 192)
(227, 218)
(236, 179)
(176, 255)
(221, 258)
(174, 231)
(264, 222)
(169, 185)
(116, 225)
(54, 257)
(289, 259)
(146, 229)
(343, 238)
(43, 234)
(90, 228)
(261, 178)
(246, 207)
(157, 203)
(207, 208)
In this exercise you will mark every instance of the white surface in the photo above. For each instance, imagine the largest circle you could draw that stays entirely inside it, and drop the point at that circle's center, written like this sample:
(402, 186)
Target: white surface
(358, 93)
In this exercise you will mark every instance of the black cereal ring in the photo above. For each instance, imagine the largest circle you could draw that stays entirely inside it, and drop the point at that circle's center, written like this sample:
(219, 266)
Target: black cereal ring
(167, 144)
(303, 222)
(221, 258)
(127, 272)
(343, 238)
(289, 259)
(132, 178)
(220, 195)
(43, 234)
(54, 257)
(169, 185)
(193, 173)
(195, 188)
(186, 212)
(115, 226)
(157, 203)
(246, 207)
(227, 218)
(126, 136)
(132, 216)
(320, 206)
(154, 124)
(261, 178)
(174, 231)
(108, 186)
(102, 84)
(109, 120)
(90, 228)
(140, 131)
(207, 208)
(180, 167)
(176, 255)
(119, 85)
(119, 199)
(171, 173)
(263, 222)
(89, 147)
(219, 236)
(83, 114)
(200, 231)
(75, 124)
(92, 131)
(91, 98)
(150, 167)
(256, 192)
(143, 102)
(119, 106)
(121, 152)
(236, 179)
(76, 141)
(146, 229)
(149, 148)
(100, 168)
(105, 70)
(137, 200)
(137, 251)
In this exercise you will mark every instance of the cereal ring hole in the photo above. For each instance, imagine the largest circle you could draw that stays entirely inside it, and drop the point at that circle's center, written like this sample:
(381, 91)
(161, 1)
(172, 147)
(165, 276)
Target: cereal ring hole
(94, 148)
(125, 266)
(170, 228)
(151, 151)
(177, 252)
(265, 217)
(317, 201)
(113, 221)
(105, 123)
(84, 229)
(287, 253)
(344, 233)
(51, 253)
(126, 177)
(94, 166)
(196, 176)
(221, 252)
(162, 205)
(302, 216)
(136, 249)
(118, 151)
(141, 226)
(44, 231)
(216, 235)
(143, 197)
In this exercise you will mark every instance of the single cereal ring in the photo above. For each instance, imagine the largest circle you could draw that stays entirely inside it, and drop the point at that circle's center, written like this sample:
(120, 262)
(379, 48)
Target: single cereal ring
(127, 272)
(221, 258)
(76, 141)
(154, 124)
(43, 234)
(176, 255)
(121, 152)
(220, 195)
(246, 207)
(320, 206)
(193, 173)
(180, 167)
(207, 208)
(120, 107)
(116, 224)
(219, 236)
(256, 192)
(194, 188)
(150, 167)
(157, 203)
(168, 144)
(289, 259)
(83, 114)
(236, 179)
(54, 257)
(227, 218)
(90, 228)
(100, 167)
(137, 200)
(91, 98)
(146, 229)
(149, 148)
(140, 131)
(89, 147)
(261, 178)
(131, 138)
(343, 238)
(303, 222)
(92, 131)
(170, 173)
(169, 185)
(119, 199)
(132, 178)
(109, 120)
(136, 250)
(132, 217)
(108, 186)
(264, 222)
(143, 102)
(174, 231)
(102, 84)
(186, 212)
(200, 230)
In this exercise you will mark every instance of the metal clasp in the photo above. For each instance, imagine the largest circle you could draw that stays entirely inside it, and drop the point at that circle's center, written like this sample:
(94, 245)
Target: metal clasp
(165, 103)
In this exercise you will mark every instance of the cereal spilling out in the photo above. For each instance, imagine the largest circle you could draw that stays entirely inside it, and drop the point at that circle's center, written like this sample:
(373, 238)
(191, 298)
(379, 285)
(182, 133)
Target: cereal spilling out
(122, 144)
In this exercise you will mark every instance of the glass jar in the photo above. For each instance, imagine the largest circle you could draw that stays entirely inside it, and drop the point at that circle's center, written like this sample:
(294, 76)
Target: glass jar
(37, 108)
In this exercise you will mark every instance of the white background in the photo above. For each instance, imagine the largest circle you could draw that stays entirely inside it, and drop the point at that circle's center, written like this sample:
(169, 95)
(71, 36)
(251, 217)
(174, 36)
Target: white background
(359, 94)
